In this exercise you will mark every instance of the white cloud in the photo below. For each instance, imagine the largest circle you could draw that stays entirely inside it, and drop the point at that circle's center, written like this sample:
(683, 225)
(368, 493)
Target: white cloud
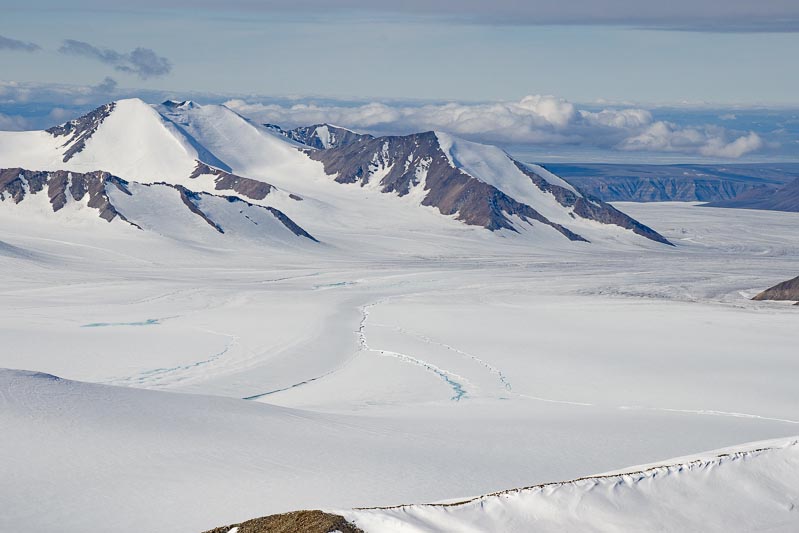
(742, 145)
(710, 141)
(534, 120)
(13, 123)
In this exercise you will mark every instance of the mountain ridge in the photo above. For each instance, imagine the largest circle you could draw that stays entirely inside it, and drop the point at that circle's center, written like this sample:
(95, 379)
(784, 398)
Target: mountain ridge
(212, 149)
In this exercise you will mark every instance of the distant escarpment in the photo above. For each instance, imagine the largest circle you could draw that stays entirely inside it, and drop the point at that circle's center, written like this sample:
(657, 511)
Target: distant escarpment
(765, 198)
(675, 183)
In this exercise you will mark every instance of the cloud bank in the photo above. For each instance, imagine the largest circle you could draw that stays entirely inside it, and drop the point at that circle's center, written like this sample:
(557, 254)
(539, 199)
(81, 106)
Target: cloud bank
(534, 120)
(687, 15)
(6, 43)
(143, 62)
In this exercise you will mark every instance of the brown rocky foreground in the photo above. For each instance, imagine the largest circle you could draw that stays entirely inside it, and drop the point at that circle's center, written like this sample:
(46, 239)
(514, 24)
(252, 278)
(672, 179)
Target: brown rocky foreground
(294, 522)
(787, 290)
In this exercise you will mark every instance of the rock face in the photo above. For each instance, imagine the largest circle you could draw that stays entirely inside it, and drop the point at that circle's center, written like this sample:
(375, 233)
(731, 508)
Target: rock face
(766, 198)
(674, 183)
(417, 164)
(321, 136)
(80, 130)
(295, 522)
(785, 291)
(61, 186)
(226, 181)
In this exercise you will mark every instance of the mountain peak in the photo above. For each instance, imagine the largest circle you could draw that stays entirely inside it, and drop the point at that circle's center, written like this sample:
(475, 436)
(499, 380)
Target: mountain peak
(321, 136)
(182, 104)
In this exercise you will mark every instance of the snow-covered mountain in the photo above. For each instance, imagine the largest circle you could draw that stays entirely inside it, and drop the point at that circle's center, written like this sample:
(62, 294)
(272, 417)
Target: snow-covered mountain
(211, 149)
(481, 185)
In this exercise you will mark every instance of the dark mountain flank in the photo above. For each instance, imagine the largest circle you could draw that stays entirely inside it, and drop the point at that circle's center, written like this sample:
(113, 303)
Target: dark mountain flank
(193, 200)
(403, 164)
(253, 189)
(785, 291)
(60, 186)
(63, 186)
(80, 129)
(765, 198)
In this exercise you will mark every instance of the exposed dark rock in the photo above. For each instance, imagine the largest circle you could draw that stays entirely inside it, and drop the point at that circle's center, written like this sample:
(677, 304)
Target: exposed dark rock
(295, 522)
(16, 183)
(449, 189)
(192, 200)
(765, 198)
(311, 135)
(175, 104)
(290, 224)
(226, 181)
(785, 291)
(592, 208)
(81, 129)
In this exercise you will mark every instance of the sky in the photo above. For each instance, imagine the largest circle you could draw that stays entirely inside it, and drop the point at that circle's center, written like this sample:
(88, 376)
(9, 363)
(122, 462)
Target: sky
(627, 57)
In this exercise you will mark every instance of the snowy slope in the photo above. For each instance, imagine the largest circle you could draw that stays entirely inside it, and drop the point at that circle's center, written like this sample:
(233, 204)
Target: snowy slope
(89, 456)
(242, 146)
(134, 142)
(571, 364)
(753, 487)
(131, 141)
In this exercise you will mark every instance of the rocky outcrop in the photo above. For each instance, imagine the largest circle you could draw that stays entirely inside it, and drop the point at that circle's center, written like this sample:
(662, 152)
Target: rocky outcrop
(785, 291)
(765, 198)
(61, 186)
(592, 208)
(226, 181)
(193, 201)
(321, 136)
(80, 130)
(295, 522)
